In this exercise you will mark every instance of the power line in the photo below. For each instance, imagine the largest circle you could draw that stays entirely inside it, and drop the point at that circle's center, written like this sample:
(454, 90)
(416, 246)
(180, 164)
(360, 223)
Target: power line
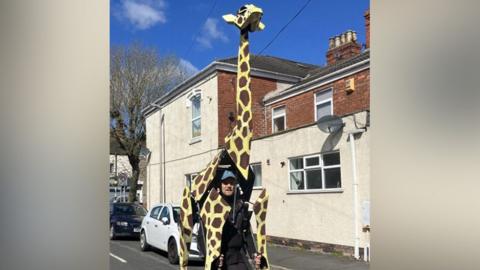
(285, 26)
(198, 31)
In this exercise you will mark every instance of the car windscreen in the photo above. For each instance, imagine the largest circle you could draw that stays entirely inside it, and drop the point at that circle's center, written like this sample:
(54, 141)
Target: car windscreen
(176, 214)
(128, 210)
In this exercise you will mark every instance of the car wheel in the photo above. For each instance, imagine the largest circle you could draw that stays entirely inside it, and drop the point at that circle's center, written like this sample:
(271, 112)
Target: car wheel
(144, 246)
(112, 232)
(172, 252)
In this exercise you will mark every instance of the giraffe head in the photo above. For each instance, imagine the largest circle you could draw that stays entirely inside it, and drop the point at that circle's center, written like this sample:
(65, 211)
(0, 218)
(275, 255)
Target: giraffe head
(248, 17)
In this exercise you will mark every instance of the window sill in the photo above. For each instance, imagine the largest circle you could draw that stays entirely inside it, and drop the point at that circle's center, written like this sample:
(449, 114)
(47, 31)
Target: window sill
(314, 191)
(195, 140)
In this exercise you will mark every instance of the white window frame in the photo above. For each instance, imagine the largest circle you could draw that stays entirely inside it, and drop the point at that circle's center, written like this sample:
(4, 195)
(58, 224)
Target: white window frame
(261, 184)
(322, 102)
(306, 168)
(284, 115)
(191, 96)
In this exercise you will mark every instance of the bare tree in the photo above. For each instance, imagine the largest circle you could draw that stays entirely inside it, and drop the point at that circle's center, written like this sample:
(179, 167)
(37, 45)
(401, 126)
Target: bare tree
(138, 76)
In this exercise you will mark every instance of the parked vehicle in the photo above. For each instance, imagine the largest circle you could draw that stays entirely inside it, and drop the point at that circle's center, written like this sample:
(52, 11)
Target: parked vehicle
(161, 229)
(126, 219)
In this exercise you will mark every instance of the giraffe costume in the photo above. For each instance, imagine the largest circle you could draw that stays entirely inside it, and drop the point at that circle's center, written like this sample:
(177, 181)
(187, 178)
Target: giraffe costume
(203, 200)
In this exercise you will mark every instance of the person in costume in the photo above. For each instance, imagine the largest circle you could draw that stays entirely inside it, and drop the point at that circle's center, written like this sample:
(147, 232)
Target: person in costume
(237, 239)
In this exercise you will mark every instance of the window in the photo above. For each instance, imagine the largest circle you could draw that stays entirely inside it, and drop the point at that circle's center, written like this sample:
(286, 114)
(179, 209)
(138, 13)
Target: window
(315, 172)
(323, 104)
(189, 179)
(196, 116)
(278, 119)
(112, 168)
(155, 211)
(165, 213)
(257, 170)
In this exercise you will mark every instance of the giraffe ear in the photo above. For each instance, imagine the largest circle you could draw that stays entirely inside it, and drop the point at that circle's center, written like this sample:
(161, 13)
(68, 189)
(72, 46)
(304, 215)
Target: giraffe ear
(261, 26)
(230, 18)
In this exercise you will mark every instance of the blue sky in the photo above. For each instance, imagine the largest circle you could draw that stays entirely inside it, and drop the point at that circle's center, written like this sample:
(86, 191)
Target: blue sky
(185, 27)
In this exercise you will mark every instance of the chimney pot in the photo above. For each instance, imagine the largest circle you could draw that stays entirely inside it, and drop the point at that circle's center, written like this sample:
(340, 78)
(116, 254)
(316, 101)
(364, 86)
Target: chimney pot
(342, 38)
(331, 43)
(354, 36)
(349, 36)
(337, 41)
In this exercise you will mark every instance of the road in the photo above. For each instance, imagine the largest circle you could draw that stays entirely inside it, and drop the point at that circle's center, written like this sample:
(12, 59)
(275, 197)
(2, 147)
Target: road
(125, 254)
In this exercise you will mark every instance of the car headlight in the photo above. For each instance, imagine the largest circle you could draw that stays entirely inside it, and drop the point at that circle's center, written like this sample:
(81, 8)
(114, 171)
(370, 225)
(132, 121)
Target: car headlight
(122, 223)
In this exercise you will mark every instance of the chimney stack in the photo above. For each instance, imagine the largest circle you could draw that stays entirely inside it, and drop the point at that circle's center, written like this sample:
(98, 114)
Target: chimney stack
(367, 28)
(343, 46)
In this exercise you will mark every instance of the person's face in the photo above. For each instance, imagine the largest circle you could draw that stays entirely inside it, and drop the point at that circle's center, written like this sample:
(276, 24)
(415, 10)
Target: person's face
(228, 186)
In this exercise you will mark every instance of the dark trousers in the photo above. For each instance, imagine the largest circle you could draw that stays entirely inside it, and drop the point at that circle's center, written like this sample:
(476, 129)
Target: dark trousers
(238, 266)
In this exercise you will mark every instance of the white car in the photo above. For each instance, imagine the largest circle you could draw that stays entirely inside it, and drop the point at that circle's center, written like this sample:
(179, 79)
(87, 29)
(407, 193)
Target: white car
(160, 229)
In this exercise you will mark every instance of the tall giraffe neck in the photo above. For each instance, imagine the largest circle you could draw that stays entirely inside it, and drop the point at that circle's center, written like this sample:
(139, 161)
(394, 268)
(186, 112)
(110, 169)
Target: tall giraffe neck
(243, 95)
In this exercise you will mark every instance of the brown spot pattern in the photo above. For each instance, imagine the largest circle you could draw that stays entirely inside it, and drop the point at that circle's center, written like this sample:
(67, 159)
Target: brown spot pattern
(218, 209)
(263, 215)
(240, 20)
(256, 208)
(246, 116)
(246, 50)
(242, 82)
(217, 222)
(244, 97)
(262, 229)
(244, 67)
(244, 159)
(238, 143)
(244, 131)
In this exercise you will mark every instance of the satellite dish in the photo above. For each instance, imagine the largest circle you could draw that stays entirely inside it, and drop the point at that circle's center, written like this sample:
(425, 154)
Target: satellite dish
(330, 123)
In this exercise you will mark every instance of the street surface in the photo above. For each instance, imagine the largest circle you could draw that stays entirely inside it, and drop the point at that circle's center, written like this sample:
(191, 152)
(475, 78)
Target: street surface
(125, 254)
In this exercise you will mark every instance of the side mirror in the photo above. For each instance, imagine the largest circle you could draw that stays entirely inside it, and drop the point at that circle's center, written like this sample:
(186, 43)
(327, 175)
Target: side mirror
(165, 220)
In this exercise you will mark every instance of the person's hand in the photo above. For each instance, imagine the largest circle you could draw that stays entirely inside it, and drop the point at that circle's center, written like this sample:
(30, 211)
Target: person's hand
(220, 261)
(258, 260)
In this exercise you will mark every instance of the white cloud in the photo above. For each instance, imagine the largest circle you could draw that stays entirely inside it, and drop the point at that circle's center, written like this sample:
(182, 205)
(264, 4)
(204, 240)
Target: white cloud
(188, 66)
(210, 33)
(143, 14)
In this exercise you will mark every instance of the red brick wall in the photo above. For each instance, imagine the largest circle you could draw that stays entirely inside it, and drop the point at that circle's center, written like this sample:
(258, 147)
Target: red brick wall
(358, 100)
(367, 28)
(226, 103)
(342, 52)
(300, 109)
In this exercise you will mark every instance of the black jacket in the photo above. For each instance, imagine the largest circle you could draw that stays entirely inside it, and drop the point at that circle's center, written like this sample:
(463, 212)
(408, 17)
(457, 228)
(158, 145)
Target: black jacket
(237, 237)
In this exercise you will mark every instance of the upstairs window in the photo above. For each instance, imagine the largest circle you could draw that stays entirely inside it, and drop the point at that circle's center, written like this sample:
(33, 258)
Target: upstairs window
(278, 119)
(196, 115)
(323, 104)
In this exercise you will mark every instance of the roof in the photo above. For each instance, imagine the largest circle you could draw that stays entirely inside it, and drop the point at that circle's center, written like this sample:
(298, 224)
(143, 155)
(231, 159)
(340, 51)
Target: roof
(276, 64)
(262, 66)
(317, 74)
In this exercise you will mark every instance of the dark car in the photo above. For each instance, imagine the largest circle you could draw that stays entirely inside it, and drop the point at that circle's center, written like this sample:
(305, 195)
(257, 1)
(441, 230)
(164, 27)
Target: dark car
(126, 219)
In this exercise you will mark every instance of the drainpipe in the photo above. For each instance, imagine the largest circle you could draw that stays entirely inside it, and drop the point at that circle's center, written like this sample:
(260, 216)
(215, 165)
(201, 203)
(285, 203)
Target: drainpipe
(162, 148)
(355, 191)
(162, 119)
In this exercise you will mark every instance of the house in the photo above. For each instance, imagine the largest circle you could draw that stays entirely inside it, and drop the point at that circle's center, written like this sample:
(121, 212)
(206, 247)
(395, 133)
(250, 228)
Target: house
(120, 172)
(318, 181)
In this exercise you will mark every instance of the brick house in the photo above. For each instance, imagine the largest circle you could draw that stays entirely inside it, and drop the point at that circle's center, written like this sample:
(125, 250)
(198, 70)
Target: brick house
(318, 182)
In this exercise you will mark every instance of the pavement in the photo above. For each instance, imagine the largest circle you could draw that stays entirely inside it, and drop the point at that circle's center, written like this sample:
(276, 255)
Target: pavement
(284, 258)
(125, 254)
